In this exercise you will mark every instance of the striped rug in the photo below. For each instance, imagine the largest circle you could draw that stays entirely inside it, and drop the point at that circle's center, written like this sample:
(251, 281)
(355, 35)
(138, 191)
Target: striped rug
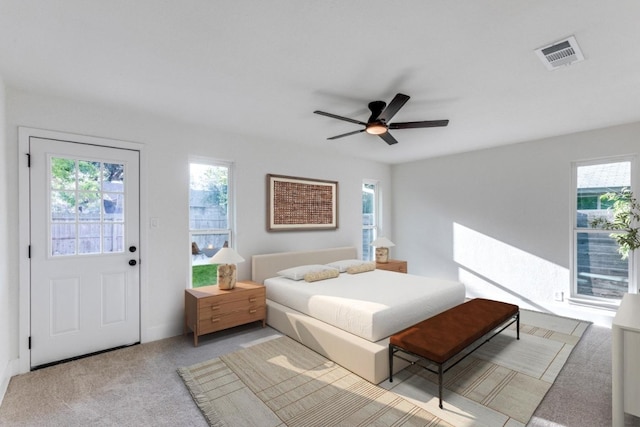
(282, 383)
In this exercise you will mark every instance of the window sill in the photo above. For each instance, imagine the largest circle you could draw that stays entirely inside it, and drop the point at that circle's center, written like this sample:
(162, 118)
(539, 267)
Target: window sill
(594, 303)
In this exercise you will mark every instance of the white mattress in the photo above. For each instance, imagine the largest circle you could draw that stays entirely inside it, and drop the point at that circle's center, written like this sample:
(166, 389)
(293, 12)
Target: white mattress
(371, 305)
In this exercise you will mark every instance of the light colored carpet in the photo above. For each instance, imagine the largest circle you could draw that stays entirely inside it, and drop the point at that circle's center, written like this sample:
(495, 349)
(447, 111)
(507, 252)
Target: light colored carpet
(134, 386)
(280, 382)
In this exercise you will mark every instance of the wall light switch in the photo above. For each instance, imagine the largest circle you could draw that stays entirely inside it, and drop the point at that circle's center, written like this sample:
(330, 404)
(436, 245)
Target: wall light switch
(155, 222)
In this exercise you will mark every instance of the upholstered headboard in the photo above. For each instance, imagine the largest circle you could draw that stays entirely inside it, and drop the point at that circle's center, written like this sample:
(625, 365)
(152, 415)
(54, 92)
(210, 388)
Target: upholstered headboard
(266, 265)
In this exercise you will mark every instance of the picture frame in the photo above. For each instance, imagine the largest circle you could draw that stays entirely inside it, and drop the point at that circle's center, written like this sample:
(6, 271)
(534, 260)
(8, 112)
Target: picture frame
(295, 203)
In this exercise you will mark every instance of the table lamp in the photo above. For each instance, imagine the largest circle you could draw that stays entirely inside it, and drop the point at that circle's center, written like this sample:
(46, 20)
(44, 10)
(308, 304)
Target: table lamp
(226, 258)
(382, 245)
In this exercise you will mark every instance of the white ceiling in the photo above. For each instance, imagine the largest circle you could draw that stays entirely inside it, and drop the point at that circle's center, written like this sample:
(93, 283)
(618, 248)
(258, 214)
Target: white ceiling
(260, 68)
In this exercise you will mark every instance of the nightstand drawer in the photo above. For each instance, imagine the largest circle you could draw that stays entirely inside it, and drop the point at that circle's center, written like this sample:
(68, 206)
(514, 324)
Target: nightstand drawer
(230, 301)
(216, 308)
(220, 321)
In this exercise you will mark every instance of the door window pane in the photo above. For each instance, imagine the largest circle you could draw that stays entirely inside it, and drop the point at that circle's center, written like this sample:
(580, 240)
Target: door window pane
(63, 174)
(89, 238)
(113, 177)
(88, 176)
(113, 237)
(63, 239)
(113, 204)
(89, 206)
(63, 206)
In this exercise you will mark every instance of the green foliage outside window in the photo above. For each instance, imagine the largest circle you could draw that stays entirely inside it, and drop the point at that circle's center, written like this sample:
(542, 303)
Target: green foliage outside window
(214, 180)
(626, 219)
(63, 177)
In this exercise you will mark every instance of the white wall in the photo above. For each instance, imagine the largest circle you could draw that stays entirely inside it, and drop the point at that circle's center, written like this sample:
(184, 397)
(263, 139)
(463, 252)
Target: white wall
(7, 320)
(500, 219)
(168, 147)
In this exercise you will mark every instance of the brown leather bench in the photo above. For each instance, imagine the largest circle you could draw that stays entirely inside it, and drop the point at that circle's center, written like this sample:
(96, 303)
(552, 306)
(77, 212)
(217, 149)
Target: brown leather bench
(442, 337)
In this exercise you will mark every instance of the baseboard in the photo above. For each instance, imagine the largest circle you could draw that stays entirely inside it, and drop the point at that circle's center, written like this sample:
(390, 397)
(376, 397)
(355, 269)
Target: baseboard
(5, 377)
(160, 332)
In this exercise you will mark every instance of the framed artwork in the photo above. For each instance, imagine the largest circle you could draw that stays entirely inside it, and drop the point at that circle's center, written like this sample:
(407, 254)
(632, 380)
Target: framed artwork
(295, 203)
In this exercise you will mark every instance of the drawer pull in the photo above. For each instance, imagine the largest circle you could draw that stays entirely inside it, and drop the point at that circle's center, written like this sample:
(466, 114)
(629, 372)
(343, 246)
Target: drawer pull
(215, 319)
(253, 299)
(215, 307)
(252, 311)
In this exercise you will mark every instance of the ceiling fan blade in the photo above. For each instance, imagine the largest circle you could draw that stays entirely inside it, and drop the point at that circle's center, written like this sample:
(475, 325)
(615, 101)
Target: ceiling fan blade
(347, 134)
(424, 124)
(346, 119)
(396, 104)
(388, 138)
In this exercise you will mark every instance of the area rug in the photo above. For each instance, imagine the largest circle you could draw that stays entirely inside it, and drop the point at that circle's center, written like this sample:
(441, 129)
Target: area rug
(282, 383)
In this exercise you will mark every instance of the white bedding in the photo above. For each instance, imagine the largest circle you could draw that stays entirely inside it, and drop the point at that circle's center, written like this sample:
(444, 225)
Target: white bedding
(371, 305)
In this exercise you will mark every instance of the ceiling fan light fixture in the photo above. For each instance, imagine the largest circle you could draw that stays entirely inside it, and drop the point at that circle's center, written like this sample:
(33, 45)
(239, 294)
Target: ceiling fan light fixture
(376, 129)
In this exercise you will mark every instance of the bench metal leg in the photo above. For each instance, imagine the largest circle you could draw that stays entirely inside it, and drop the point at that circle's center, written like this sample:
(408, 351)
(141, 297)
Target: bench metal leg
(518, 325)
(390, 363)
(440, 384)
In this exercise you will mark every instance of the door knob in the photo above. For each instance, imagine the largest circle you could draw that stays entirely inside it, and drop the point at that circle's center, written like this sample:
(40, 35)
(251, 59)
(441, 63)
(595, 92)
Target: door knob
(132, 249)
(132, 262)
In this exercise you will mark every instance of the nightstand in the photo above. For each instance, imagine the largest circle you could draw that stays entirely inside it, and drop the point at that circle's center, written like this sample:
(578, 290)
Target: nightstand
(210, 309)
(393, 265)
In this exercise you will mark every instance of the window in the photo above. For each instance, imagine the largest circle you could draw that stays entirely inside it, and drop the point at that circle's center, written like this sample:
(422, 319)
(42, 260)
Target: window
(210, 216)
(87, 207)
(599, 271)
(369, 217)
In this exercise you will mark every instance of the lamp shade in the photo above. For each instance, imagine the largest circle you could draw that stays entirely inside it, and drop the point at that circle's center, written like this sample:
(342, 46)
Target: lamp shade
(226, 256)
(382, 242)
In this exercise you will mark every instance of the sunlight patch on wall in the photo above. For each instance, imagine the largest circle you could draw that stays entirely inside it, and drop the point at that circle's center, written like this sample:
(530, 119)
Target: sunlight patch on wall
(493, 269)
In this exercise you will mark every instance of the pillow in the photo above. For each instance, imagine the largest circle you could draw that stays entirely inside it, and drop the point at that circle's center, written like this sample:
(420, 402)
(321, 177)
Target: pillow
(355, 269)
(314, 276)
(344, 264)
(297, 273)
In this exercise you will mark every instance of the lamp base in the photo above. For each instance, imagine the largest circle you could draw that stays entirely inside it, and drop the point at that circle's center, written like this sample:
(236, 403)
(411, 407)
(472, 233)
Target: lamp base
(382, 255)
(226, 276)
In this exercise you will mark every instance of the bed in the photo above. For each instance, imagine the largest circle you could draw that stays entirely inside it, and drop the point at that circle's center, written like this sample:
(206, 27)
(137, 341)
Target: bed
(349, 319)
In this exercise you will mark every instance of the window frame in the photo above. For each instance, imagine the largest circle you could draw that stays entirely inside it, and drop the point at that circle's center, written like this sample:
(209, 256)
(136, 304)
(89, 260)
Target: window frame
(374, 227)
(230, 230)
(590, 300)
(78, 221)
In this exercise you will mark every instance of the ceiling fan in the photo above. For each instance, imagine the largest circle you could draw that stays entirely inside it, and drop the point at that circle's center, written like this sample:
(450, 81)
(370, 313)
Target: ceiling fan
(381, 113)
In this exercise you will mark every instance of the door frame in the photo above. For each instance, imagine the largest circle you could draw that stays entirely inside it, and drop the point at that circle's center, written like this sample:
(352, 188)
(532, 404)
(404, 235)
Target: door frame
(24, 226)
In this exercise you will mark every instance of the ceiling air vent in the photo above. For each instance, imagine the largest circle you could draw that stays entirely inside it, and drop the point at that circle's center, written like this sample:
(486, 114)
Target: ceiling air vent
(563, 52)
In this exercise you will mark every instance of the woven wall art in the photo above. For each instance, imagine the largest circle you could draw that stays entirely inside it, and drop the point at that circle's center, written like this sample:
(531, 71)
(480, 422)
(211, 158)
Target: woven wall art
(301, 204)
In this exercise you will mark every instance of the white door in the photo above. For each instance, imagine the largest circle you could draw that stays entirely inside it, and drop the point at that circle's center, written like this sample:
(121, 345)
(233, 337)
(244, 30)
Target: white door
(85, 280)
